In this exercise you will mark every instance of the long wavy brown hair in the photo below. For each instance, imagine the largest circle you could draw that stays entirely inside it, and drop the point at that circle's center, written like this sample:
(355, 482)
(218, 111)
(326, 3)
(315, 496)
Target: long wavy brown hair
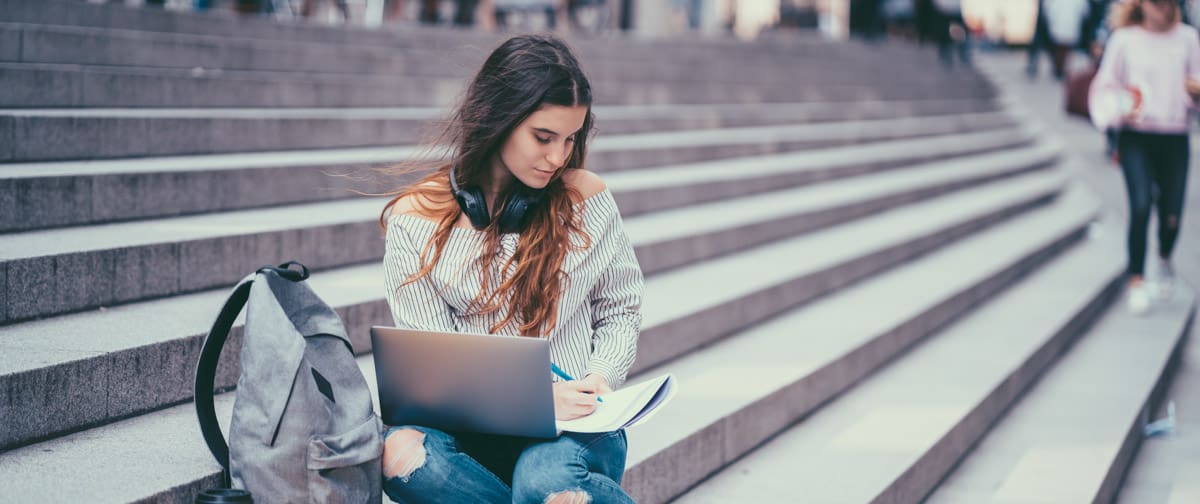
(519, 77)
(1129, 13)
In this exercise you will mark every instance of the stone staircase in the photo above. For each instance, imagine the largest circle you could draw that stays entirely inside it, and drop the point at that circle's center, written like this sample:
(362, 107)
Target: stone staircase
(872, 279)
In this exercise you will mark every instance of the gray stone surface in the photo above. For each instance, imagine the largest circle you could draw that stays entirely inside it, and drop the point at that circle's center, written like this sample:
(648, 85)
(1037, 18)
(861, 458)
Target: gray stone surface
(83, 280)
(8, 135)
(156, 353)
(648, 191)
(10, 45)
(91, 194)
(35, 203)
(808, 266)
(690, 437)
(146, 272)
(1166, 469)
(809, 355)
(57, 44)
(60, 84)
(4, 295)
(43, 135)
(50, 85)
(899, 430)
(73, 393)
(1069, 439)
(195, 253)
(31, 287)
(751, 221)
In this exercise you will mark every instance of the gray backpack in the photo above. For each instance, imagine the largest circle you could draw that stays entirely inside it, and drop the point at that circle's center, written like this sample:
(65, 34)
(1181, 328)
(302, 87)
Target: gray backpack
(303, 427)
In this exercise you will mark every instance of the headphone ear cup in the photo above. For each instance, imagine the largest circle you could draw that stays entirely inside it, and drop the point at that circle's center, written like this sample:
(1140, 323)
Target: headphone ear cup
(512, 217)
(471, 201)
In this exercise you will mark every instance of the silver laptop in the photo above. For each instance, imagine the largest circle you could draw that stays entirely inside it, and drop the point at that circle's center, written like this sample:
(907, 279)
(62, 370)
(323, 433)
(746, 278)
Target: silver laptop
(464, 382)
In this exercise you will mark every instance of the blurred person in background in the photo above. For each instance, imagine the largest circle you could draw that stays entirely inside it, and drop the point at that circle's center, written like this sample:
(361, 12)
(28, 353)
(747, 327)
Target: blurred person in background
(1039, 43)
(1146, 84)
(941, 21)
(954, 36)
(866, 19)
(1063, 22)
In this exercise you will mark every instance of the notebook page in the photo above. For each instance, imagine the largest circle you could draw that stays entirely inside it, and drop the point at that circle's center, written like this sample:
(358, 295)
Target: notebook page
(617, 409)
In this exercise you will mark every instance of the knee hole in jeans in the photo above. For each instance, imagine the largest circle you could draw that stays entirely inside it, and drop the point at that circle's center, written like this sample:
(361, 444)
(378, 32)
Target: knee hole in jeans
(403, 453)
(576, 497)
(1172, 221)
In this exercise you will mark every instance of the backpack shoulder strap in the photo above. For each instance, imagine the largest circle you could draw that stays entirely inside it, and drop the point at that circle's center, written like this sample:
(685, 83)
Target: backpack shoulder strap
(210, 354)
(206, 370)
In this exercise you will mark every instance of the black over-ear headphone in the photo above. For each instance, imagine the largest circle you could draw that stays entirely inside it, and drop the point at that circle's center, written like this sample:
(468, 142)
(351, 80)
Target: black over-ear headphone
(512, 217)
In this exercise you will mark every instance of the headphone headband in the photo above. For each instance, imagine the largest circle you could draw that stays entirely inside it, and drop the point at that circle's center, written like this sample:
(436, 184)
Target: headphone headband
(516, 207)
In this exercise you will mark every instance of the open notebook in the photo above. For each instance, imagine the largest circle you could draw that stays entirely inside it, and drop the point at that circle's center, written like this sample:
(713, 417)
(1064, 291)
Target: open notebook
(624, 408)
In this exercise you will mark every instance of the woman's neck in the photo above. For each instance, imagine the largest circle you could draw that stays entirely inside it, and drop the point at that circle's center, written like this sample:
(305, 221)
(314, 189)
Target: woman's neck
(499, 179)
(1155, 27)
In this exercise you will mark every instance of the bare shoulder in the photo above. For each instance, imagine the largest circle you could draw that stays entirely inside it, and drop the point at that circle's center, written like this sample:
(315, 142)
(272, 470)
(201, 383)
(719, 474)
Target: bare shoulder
(587, 183)
(417, 205)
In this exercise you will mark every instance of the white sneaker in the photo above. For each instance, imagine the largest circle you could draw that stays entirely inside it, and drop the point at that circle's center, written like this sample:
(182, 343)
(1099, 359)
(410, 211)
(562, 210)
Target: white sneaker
(1138, 299)
(1165, 285)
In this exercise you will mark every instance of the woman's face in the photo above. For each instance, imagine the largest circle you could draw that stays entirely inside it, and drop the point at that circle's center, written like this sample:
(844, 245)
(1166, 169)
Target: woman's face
(1158, 13)
(541, 144)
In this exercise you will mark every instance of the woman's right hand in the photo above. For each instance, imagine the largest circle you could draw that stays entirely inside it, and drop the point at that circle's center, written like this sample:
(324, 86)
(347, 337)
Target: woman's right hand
(573, 399)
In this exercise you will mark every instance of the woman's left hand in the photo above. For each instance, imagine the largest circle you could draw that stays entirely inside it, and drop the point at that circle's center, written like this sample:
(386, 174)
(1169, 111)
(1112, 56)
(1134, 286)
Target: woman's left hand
(1193, 89)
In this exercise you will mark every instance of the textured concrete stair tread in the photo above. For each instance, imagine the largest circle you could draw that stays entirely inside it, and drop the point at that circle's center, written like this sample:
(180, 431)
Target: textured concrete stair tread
(1167, 467)
(605, 76)
(127, 458)
(131, 440)
(222, 74)
(1064, 441)
(642, 229)
(110, 137)
(856, 448)
(215, 75)
(912, 126)
(818, 160)
(417, 37)
(112, 46)
(771, 110)
(178, 229)
(732, 394)
(149, 328)
(115, 16)
(812, 199)
(127, 273)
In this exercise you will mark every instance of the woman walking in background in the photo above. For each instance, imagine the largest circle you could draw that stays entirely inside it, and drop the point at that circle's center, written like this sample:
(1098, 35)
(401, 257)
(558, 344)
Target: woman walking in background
(1146, 83)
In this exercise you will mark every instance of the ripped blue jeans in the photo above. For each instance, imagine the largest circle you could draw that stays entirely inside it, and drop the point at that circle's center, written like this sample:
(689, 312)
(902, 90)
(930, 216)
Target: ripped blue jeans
(467, 467)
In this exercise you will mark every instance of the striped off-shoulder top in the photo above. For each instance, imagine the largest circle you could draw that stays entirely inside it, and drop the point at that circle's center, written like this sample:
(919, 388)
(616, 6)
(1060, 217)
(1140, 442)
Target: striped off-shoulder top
(599, 313)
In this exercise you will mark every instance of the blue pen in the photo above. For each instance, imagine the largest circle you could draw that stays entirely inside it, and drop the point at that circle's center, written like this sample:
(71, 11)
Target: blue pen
(563, 374)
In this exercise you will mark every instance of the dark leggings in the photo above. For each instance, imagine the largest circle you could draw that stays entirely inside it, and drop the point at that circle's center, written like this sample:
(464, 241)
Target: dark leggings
(1155, 167)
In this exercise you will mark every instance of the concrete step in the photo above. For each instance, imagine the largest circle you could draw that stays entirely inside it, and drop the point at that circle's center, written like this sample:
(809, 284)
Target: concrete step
(132, 48)
(75, 85)
(43, 134)
(137, 48)
(171, 434)
(71, 85)
(1166, 468)
(1075, 433)
(896, 434)
(56, 194)
(115, 16)
(126, 262)
(132, 368)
